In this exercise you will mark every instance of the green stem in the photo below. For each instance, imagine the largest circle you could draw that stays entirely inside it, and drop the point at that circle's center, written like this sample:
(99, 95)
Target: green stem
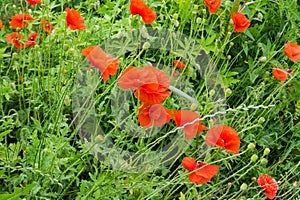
(236, 6)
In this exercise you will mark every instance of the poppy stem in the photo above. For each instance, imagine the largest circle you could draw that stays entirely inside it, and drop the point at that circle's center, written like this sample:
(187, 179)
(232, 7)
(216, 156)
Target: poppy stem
(236, 6)
(183, 94)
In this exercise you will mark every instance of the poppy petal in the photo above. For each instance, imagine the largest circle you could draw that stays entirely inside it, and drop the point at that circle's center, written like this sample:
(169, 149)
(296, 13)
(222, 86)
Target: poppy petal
(189, 163)
(140, 8)
(241, 22)
(224, 137)
(183, 117)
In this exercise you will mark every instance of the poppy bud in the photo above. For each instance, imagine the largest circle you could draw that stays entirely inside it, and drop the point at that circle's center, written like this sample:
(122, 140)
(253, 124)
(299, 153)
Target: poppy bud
(261, 120)
(194, 106)
(144, 32)
(231, 43)
(259, 45)
(29, 10)
(146, 45)
(228, 57)
(228, 92)
(175, 16)
(14, 54)
(264, 161)
(260, 16)
(67, 100)
(244, 187)
(198, 20)
(227, 3)
(212, 93)
(254, 158)
(176, 23)
(266, 151)
(295, 184)
(251, 146)
(263, 59)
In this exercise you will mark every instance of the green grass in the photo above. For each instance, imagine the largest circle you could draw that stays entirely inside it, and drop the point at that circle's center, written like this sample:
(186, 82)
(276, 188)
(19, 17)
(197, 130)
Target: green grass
(49, 101)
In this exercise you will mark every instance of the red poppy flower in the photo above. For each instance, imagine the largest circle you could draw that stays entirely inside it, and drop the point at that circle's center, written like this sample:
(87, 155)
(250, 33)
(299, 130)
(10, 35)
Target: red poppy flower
(179, 64)
(292, 50)
(213, 5)
(269, 185)
(34, 2)
(154, 115)
(201, 173)
(74, 20)
(19, 20)
(1, 25)
(183, 117)
(31, 40)
(140, 8)
(46, 26)
(281, 74)
(15, 39)
(241, 22)
(149, 83)
(104, 62)
(223, 136)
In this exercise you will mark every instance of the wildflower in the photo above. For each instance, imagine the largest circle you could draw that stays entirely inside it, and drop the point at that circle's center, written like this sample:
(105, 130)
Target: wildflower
(153, 115)
(15, 39)
(34, 2)
(149, 83)
(46, 26)
(241, 22)
(179, 64)
(74, 20)
(224, 137)
(31, 40)
(19, 20)
(213, 5)
(280, 74)
(1, 25)
(201, 173)
(140, 8)
(269, 185)
(104, 62)
(292, 50)
(183, 117)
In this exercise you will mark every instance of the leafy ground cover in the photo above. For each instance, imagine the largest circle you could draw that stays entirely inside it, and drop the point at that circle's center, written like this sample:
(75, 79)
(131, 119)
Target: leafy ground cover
(150, 100)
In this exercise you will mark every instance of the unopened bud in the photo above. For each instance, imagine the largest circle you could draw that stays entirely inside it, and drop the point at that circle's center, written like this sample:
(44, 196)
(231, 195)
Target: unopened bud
(264, 161)
(212, 92)
(266, 151)
(243, 187)
(198, 20)
(228, 92)
(176, 23)
(263, 59)
(254, 158)
(261, 120)
(228, 57)
(259, 45)
(251, 146)
(260, 16)
(194, 106)
(146, 45)
(175, 16)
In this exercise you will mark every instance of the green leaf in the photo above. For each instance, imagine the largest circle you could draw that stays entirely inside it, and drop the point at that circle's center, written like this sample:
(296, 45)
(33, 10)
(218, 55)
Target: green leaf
(17, 193)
